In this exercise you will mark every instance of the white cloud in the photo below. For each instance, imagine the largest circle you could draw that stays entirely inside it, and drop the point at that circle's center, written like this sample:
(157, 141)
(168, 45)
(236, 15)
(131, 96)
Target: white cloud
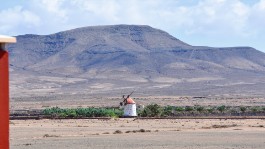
(211, 17)
(257, 18)
(105, 8)
(261, 5)
(208, 18)
(13, 18)
(54, 7)
(205, 16)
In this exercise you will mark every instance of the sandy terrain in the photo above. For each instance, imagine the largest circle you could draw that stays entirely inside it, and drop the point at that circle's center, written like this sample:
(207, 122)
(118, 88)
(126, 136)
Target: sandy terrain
(169, 134)
(73, 101)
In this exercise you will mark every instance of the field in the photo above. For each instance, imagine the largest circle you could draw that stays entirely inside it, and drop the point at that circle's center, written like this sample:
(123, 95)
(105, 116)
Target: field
(136, 133)
(116, 133)
(84, 100)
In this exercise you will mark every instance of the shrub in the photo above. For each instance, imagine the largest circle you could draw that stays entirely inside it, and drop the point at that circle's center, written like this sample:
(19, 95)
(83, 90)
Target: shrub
(254, 109)
(243, 109)
(188, 108)
(152, 110)
(51, 111)
(221, 108)
(82, 112)
(70, 112)
(210, 109)
(62, 115)
(199, 108)
(117, 132)
(179, 109)
(168, 111)
(118, 113)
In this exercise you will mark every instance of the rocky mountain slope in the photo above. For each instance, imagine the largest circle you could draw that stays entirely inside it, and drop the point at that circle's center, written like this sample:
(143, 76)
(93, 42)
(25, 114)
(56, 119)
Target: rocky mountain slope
(120, 58)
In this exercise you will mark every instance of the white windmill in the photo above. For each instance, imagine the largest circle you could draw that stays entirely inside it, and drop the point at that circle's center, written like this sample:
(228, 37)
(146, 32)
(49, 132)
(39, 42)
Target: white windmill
(129, 106)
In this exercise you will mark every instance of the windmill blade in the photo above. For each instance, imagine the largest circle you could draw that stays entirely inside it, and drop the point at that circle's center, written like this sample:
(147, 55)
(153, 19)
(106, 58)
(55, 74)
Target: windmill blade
(131, 93)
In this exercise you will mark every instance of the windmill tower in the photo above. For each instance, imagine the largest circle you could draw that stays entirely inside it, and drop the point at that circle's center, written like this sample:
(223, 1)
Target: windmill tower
(129, 106)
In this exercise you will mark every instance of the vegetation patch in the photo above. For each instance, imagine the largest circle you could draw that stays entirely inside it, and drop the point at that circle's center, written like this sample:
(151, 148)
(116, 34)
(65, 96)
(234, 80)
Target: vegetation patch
(137, 131)
(117, 132)
(224, 126)
(156, 111)
(57, 112)
(220, 126)
(261, 126)
(47, 136)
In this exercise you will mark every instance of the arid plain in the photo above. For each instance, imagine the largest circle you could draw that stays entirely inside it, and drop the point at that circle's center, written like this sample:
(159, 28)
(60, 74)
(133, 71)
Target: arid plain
(138, 133)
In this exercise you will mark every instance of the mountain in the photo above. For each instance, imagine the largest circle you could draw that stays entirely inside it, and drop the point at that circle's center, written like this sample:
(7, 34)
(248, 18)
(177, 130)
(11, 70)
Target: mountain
(120, 58)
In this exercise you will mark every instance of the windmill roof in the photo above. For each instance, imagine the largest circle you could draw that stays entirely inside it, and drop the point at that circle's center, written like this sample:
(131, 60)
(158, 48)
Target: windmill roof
(130, 101)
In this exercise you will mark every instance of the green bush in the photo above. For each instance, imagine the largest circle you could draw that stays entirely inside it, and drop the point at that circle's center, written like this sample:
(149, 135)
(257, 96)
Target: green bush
(70, 113)
(199, 108)
(152, 110)
(82, 112)
(118, 112)
(221, 108)
(254, 109)
(243, 109)
(168, 111)
(210, 109)
(179, 109)
(188, 108)
(62, 115)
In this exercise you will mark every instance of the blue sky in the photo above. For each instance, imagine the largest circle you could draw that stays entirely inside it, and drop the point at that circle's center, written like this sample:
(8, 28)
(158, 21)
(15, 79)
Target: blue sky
(216, 23)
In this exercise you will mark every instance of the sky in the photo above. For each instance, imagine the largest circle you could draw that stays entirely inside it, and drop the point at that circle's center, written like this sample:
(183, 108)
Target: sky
(215, 23)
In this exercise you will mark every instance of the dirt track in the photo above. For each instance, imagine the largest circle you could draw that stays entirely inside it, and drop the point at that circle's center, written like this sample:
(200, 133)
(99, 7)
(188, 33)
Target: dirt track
(169, 134)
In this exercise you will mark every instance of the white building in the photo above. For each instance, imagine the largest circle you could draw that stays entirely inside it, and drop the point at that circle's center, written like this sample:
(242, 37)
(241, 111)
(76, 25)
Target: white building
(130, 108)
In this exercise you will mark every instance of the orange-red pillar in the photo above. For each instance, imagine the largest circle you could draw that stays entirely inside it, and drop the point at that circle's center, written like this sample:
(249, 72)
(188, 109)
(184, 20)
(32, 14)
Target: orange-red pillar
(4, 100)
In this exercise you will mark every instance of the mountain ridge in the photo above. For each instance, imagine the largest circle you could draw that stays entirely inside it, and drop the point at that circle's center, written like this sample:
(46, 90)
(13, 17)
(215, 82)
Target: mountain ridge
(123, 56)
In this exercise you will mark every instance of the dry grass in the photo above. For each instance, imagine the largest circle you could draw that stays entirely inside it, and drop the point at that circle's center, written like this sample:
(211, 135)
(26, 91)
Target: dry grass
(95, 134)
(117, 132)
(10, 122)
(261, 126)
(136, 131)
(220, 126)
(27, 144)
(224, 126)
(47, 136)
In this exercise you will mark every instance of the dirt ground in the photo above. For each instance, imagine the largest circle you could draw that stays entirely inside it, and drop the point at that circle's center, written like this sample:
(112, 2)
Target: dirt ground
(84, 101)
(137, 134)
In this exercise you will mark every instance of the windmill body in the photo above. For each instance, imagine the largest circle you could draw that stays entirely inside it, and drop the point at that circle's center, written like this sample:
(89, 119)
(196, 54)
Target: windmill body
(129, 106)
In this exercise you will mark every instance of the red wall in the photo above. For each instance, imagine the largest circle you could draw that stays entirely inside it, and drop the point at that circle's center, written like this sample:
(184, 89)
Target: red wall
(4, 101)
